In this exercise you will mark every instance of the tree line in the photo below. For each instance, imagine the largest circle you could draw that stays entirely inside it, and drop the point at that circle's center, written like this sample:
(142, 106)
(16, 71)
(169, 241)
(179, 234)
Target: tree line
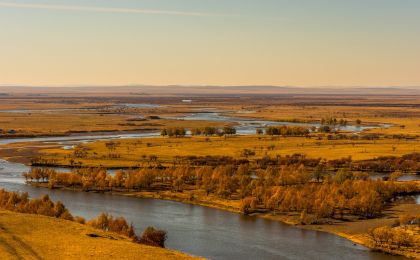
(332, 121)
(405, 163)
(286, 188)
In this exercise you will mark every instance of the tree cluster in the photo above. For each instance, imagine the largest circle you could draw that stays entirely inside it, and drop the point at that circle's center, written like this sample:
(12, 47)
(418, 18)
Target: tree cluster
(173, 132)
(287, 130)
(117, 225)
(332, 121)
(20, 202)
(403, 234)
(211, 131)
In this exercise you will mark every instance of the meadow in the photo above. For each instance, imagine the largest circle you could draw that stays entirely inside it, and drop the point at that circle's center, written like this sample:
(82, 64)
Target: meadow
(137, 152)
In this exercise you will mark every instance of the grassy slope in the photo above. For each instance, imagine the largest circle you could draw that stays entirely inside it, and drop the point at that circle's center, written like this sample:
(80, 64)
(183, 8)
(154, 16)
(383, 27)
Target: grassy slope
(26, 236)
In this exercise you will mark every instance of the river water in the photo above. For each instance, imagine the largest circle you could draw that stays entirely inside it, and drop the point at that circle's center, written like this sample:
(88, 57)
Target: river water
(193, 229)
(249, 125)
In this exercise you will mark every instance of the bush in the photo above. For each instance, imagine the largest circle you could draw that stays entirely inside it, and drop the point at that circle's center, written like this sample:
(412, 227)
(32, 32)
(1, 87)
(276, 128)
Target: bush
(153, 237)
(79, 220)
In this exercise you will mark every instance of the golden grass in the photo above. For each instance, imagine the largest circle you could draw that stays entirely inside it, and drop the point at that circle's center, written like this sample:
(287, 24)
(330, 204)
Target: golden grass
(66, 122)
(103, 116)
(26, 236)
(131, 151)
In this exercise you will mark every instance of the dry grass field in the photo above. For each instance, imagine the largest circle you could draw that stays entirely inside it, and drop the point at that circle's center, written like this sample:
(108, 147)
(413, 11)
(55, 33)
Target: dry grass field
(39, 124)
(103, 114)
(57, 116)
(136, 152)
(26, 236)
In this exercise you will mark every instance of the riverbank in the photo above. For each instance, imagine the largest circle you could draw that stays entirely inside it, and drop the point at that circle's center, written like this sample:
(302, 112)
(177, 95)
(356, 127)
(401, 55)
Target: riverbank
(355, 230)
(27, 236)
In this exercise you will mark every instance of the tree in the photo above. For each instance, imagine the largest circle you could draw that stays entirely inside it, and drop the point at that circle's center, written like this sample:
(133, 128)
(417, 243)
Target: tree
(245, 207)
(228, 130)
(196, 131)
(395, 175)
(319, 172)
(343, 175)
(324, 129)
(382, 235)
(153, 237)
(209, 131)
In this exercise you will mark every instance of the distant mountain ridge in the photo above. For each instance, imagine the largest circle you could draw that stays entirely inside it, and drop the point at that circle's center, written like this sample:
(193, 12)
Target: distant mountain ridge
(210, 90)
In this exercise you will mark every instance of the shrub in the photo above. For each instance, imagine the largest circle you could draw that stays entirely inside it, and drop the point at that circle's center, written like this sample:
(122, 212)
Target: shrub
(153, 237)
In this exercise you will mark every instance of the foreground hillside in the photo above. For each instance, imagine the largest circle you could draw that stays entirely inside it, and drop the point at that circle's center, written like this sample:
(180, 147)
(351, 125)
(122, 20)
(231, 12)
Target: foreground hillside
(26, 236)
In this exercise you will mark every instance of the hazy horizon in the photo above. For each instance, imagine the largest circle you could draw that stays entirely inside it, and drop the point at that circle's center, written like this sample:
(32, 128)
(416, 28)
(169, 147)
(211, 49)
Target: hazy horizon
(204, 86)
(207, 90)
(210, 43)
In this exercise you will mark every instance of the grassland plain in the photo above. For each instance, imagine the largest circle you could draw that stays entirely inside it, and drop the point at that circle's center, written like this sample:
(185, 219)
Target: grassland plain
(27, 236)
(53, 117)
(64, 123)
(403, 120)
(84, 114)
(136, 152)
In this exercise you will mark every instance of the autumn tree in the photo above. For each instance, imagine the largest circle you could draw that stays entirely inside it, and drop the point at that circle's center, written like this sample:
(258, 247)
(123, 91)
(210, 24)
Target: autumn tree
(153, 237)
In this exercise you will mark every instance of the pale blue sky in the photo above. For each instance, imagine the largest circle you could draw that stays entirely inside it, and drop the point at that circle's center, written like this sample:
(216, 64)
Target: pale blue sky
(225, 42)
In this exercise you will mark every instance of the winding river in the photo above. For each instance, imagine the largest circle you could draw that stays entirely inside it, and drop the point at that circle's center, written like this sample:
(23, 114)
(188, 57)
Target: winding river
(196, 230)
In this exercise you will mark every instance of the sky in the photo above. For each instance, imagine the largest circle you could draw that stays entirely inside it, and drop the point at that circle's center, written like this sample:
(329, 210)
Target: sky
(210, 42)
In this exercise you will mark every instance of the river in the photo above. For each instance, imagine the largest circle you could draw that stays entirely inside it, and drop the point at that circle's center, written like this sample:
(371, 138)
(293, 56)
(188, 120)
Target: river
(193, 229)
